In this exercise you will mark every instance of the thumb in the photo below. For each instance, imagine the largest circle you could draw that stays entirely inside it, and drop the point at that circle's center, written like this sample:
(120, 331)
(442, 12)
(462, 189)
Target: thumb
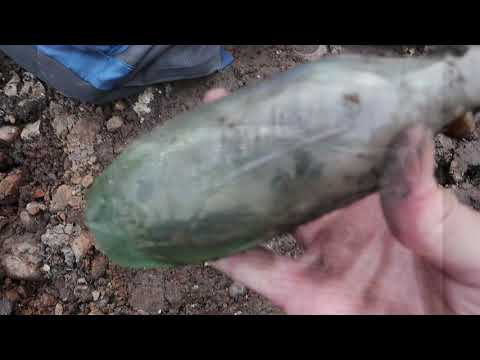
(424, 217)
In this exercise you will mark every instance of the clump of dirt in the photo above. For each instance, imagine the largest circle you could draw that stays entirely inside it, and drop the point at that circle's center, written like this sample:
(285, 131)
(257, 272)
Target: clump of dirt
(458, 166)
(52, 264)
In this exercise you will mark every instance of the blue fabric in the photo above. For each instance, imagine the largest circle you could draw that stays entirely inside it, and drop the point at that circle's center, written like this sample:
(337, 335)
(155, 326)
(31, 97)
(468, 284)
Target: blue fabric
(110, 50)
(227, 58)
(93, 63)
(97, 64)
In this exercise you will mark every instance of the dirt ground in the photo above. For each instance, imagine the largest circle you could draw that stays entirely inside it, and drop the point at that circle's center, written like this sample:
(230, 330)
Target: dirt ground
(52, 148)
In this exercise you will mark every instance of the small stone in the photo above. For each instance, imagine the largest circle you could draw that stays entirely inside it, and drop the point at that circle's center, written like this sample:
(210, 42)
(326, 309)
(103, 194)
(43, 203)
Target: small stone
(28, 76)
(461, 128)
(31, 131)
(77, 180)
(27, 86)
(59, 309)
(99, 266)
(28, 222)
(9, 134)
(236, 290)
(23, 263)
(47, 300)
(65, 294)
(103, 303)
(115, 123)
(81, 244)
(6, 307)
(141, 107)
(68, 256)
(55, 109)
(21, 291)
(87, 181)
(168, 89)
(315, 55)
(95, 312)
(11, 87)
(62, 124)
(55, 237)
(46, 268)
(336, 49)
(95, 295)
(68, 229)
(61, 198)
(34, 208)
(75, 202)
(67, 164)
(456, 171)
(12, 295)
(11, 119)
(82, 292)
(120, 106)
(38, 90)
(10, 184)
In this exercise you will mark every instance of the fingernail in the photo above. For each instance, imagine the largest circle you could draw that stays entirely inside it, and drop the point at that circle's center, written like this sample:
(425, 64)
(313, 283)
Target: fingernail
(405, 162)
(214, 95)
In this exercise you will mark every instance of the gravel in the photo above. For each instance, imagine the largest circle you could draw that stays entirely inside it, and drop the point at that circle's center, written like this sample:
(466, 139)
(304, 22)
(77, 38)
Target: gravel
(61, 198)
(10, 184)
(82, 243)
(87, 181)
(23, 261)
(34, 208)
(31, 131)
(9, 134)
(114, 123)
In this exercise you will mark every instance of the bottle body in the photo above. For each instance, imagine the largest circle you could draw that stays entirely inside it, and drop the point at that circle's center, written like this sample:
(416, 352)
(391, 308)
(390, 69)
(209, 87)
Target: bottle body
(260, 162)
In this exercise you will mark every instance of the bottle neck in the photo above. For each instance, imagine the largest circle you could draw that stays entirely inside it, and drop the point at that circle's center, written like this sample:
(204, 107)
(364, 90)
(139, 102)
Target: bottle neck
(443, 91)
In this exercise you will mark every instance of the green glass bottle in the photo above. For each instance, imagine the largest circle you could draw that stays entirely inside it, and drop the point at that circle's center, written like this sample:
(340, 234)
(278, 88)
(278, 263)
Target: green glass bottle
(222, 178)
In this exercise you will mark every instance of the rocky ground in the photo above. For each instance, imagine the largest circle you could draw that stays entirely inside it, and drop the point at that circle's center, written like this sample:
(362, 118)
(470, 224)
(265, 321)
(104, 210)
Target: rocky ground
(51, 150)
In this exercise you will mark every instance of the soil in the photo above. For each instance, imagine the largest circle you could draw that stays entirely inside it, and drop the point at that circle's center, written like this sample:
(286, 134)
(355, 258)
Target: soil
(57, 270)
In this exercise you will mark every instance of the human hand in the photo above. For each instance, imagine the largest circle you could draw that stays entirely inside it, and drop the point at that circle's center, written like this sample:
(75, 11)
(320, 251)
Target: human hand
(411, 248)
